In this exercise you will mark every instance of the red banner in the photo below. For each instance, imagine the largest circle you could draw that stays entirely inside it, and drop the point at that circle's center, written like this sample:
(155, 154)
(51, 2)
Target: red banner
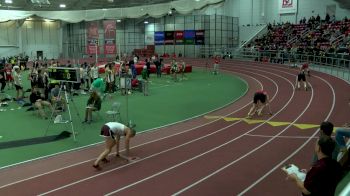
(179, 37)
(92, 38)
(109, 27)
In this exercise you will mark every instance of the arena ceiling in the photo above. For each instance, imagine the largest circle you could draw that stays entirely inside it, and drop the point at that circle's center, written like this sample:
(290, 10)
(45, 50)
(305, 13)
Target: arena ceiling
(51, 5)
(344, 3)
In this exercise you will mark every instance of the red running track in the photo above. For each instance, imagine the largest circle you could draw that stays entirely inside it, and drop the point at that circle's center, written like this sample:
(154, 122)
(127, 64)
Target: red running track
(200, 156)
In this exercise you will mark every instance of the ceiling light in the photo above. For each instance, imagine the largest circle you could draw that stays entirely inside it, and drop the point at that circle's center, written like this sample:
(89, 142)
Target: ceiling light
(47, 2)
(110, 1)
(8, 1)
(197, 0)
(146, 22)
(48, 20)
(62, 5)
(119, 20)
(104, 9)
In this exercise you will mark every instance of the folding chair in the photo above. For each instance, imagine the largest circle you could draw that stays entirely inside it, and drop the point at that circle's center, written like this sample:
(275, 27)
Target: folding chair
(114, 112)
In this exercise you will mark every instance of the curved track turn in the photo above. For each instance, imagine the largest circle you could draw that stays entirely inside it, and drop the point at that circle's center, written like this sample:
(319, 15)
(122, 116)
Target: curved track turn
(203, 156)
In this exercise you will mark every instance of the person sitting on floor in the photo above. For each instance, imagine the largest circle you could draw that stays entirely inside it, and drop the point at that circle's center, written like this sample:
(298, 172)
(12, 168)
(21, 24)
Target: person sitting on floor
(93, 104)
(39, 103)
(56, 97)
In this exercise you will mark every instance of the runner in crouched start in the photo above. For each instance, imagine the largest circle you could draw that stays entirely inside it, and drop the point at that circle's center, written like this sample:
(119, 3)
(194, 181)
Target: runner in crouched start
(260, 100)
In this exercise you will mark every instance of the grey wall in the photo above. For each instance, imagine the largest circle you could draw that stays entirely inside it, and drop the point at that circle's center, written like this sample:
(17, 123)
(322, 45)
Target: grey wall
(27, 37)
(220, 31)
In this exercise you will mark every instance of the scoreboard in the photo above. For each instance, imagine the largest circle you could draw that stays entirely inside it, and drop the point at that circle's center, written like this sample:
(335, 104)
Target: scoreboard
(64, 74)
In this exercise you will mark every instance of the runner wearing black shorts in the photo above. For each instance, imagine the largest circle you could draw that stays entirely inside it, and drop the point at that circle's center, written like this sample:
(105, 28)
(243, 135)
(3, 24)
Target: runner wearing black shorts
(260, 100)
(301, 77)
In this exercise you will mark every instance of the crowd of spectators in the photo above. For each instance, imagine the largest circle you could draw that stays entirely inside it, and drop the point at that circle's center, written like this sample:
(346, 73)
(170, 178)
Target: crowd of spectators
(315, 36)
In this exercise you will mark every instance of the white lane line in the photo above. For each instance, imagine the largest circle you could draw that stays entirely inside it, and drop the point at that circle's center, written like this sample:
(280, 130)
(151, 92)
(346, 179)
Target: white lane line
(166, 137)
(220, 146)
(279, 165)
(286, 137)
(252, 151)
(165, 151)
(148, 130)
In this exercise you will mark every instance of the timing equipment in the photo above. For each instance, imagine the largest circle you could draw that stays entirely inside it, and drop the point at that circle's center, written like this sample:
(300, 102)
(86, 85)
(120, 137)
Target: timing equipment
(64, 74)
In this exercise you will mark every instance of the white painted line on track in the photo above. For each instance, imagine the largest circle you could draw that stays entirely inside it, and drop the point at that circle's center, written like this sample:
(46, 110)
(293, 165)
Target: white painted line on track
(91, 177)
(252, 151)
(148, 130)
(185, 131)
(297, 150)
(286, 137)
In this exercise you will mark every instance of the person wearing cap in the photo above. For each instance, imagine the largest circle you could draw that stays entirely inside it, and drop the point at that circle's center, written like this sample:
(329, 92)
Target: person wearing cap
(144, 74)
(112, 132)
(260, 100)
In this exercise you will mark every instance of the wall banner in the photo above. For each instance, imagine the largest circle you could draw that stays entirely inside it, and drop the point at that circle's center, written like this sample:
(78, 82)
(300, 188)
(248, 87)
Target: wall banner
(92, 38)
(287, 6)
(109, 27)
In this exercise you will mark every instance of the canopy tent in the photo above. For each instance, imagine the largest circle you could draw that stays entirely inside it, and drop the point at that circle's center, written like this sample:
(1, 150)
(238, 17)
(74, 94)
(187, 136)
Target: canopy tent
(156, 11)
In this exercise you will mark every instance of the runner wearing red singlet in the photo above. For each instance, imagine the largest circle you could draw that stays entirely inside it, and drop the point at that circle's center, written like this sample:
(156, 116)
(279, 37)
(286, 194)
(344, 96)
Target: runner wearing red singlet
(305, 67)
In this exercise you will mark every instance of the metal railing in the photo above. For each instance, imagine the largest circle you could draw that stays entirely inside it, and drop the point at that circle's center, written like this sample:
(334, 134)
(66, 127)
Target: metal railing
(335, 64)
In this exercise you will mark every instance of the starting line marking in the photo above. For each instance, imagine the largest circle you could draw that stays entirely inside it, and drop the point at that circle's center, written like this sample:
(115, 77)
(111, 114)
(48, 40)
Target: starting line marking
(272, 123)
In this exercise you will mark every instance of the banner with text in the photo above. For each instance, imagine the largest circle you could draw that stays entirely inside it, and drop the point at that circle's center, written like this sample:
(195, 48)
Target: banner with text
(169, 38)
(109, 27)
(200, 37)
(179, 37)
(159, 37)
(189, 37)
(92, 38)
(287, 6)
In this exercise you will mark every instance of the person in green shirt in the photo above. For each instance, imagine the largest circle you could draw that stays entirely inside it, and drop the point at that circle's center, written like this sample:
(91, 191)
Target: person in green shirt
(99, 86)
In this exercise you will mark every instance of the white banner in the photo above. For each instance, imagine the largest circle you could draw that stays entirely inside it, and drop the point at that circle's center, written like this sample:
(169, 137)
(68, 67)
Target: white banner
(287, 6)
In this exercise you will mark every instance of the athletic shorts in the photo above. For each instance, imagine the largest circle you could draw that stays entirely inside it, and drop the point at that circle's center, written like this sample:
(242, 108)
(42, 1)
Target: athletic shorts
(259, 97)
(106, 132)
(301, 77)
(18, 87)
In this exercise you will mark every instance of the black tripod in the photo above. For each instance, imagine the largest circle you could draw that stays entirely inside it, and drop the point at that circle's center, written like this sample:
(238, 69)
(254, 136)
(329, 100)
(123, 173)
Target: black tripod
(68, 100)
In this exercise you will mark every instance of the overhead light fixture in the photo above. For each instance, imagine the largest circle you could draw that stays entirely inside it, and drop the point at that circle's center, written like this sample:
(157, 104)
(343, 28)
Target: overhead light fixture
(110, 1)
(8, 1)
(45, 2)
(119, 20)
(48, 20)
(197, 0)
(104, 9)
(62, 5)
(146, 22)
